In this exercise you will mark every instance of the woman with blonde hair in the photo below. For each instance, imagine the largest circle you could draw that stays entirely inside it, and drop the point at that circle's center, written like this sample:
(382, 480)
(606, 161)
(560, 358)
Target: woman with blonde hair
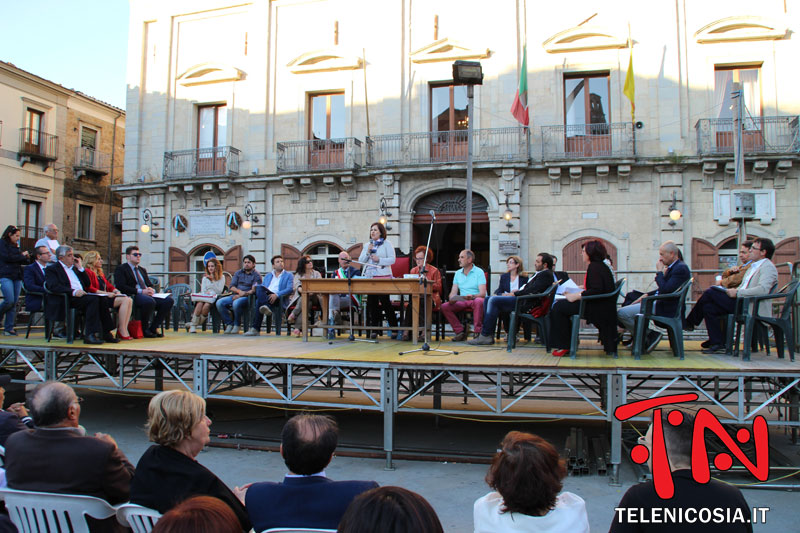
(93, 265)
(168, 472)
(213, 285)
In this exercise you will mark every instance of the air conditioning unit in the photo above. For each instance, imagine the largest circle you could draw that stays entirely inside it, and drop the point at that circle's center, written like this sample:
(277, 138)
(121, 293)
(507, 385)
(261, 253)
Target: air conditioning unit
(118, 218)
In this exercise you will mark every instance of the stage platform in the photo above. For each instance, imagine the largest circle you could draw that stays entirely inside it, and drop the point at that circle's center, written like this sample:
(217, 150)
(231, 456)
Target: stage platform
(484, 381)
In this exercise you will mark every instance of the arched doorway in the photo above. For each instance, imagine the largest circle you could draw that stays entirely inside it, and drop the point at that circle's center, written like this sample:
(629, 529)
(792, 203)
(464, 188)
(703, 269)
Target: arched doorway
(180, 261)
(324, 254)
(448, 235)
(572, 258)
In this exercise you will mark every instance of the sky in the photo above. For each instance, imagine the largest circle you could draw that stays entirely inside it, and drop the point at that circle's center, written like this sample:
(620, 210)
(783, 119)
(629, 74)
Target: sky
(80, 44)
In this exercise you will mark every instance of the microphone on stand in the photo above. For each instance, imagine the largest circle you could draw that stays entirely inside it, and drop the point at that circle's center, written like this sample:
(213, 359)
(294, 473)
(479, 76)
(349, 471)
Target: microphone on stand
(433, 214)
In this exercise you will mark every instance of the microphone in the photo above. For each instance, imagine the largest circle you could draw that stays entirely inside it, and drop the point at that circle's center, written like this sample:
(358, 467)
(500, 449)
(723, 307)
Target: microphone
(433, 214)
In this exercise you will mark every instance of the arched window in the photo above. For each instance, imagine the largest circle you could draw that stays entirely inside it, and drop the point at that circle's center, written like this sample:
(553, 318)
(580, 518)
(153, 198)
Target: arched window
(572, 259)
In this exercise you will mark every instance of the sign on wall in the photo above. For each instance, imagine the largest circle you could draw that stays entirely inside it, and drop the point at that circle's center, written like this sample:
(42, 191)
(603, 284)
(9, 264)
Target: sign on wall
(207, 222)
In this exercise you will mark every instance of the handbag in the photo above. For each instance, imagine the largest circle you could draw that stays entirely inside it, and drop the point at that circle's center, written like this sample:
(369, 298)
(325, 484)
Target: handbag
(204, 298)
(135, 329)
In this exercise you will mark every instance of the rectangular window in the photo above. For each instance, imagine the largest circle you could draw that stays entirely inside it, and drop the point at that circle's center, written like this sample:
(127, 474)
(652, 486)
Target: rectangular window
(30, 222)
(587, 112)
(748, 78)
(449, 122)
(212, 122)
(326, 128)
(85, 222)
(34, 122)
(88, 138)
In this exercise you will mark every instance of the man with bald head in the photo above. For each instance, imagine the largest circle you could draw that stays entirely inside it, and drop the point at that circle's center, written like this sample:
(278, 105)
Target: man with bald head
(671, 274)
(306, 498)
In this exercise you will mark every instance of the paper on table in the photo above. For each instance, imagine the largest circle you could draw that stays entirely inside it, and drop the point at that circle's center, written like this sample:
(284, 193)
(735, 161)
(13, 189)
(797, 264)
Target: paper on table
(161, 295)
(568, 287)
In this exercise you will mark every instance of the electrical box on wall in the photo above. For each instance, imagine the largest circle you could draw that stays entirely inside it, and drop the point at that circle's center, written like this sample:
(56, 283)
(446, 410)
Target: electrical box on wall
(743, 205)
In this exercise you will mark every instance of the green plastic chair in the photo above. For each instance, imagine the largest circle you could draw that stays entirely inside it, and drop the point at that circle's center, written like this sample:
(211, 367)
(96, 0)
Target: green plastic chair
(673, 324)
(781, 326)
(542, 322)
(576, 319)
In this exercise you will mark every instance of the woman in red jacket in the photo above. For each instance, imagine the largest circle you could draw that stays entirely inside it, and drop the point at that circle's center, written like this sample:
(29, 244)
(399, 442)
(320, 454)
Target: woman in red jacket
(93, 264)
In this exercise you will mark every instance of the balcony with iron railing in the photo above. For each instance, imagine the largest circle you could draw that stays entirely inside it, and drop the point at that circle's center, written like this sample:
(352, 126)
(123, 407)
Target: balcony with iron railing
(319, 154)
(37, 145)
(426, 148)
(760, 135)
(89, 160)
(215, 162)
(587, 141)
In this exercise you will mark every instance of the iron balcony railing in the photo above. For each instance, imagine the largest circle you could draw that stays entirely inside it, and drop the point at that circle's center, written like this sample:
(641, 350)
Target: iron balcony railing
(38, 144)
(91, 159)
(425, 148)
(760, 135)
(319, 154)
(218, 161)
(587, 141)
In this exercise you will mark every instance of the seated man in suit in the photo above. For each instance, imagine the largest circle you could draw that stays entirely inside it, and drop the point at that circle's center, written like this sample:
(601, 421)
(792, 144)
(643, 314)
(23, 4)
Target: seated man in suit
(717, 301)
(541, 280)
(61, 278)
(132, 279)
(672, 273)
(306, 498)
(58, 456)
(13, 419)
(272, 296)
(33, 279)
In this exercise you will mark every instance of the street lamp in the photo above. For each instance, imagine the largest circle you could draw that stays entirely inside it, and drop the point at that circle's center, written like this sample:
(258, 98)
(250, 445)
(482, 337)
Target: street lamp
(674, 213)
(468, 73)
(147, 219)
(385, 214)
(248, 215)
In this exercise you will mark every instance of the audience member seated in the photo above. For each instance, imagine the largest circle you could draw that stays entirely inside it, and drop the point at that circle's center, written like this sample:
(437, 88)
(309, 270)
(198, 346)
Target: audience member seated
(168, 472)
(15, 417)
(390, 510)
(506, 302)
(50, 240)
(671, 274)
(435, 280)
(62, 278)
(105, 304)
(732, 277)
(305, 497)
(272, 296)
(467, 294)
(121, 302)
(527, 475)
(199, 514)
(131, 278)
(602, 313)
(305, 270)
(243, 284)
(339, 302)
(704, 499)
(376, 259)
(213, 284)
(561, 276)
(11, 261)
(716, 302)
(33, 280)
(59, 457)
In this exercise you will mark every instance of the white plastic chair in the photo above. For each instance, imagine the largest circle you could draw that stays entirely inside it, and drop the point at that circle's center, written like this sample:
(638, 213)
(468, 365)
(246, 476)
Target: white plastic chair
(297, 530)
(139, 519)
(33, 512)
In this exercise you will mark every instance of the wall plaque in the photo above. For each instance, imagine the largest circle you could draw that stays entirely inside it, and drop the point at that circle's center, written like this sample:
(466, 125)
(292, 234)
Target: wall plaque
(207, 222)
(508, 247)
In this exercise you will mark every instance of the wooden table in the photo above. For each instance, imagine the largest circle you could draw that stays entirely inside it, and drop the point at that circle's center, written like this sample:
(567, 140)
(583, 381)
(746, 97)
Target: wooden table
(326, 286)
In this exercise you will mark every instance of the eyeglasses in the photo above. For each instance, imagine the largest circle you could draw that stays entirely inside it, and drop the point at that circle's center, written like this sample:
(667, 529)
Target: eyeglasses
(78, 400)
(136, 254)
(756, 249)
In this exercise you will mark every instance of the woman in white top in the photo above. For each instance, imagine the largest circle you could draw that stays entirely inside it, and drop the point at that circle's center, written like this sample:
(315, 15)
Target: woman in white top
(305, 270)
(377, 258)
(213, 284)
(527, 475)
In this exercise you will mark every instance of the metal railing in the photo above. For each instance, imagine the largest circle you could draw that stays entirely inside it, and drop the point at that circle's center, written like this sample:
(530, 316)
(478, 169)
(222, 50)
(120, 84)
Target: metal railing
(587, 141)
(319, 154)
(38, 144)
(90, 159)
(760, 135)
(425, 148)
(202, 162)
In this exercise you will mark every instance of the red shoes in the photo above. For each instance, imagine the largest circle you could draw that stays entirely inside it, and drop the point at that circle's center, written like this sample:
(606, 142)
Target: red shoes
(124, 338)
(560, 353)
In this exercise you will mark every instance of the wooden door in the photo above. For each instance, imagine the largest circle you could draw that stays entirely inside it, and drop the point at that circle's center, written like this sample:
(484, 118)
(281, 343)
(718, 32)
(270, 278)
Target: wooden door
(232, 260)
(705, 256)
(178, 262)
(572, 258)
(291, 256)
(786, 251)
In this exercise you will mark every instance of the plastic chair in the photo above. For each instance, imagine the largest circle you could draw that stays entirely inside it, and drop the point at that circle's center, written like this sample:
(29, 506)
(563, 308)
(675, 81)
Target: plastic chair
(33, 512)
(181, 310)
(542, 322)
(781, 326)
(576, 319)
(139, 519)
(32, 314)
(673, 324)
(70, 315)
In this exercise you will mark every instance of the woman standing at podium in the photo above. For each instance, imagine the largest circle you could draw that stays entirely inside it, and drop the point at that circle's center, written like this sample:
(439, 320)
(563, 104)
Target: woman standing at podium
(377, 257)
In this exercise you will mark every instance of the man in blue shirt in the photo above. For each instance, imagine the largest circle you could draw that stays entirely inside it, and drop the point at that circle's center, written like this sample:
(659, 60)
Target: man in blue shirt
(273, 296)
(243, 285)
(467, 294)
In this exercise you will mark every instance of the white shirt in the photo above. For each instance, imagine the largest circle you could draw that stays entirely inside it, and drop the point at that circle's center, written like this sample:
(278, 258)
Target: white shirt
(750, 273)
(74, 282)
(276, 281)
(568, 516)
(50, 243)
(515, 285)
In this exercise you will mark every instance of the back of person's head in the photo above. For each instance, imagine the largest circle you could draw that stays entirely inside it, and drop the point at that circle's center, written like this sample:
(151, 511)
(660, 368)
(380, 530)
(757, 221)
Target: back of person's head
(50, 403)
(200, 514)
(390, 510)
(308, 443)
(678, 438)
(766, 245)
(171, 416)
(596, 250)
(528, 474)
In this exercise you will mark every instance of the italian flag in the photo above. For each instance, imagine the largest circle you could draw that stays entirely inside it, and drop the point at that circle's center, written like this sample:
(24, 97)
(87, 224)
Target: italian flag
(520, 106)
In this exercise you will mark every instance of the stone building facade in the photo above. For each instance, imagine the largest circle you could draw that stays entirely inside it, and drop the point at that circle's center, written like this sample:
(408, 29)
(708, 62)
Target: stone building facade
(309, 120)
(56, 160)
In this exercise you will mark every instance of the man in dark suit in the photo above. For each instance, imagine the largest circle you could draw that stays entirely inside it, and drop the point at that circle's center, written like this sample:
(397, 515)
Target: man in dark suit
(57, 456)
(305, 498)
(62, 279)
(539, 283)
(13, 419)
(131, 279)
(671, 274)
(33, 279)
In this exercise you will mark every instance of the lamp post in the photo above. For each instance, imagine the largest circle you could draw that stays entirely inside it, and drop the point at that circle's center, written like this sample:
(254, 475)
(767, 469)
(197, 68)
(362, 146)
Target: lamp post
(468, 73)
(147, 219)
